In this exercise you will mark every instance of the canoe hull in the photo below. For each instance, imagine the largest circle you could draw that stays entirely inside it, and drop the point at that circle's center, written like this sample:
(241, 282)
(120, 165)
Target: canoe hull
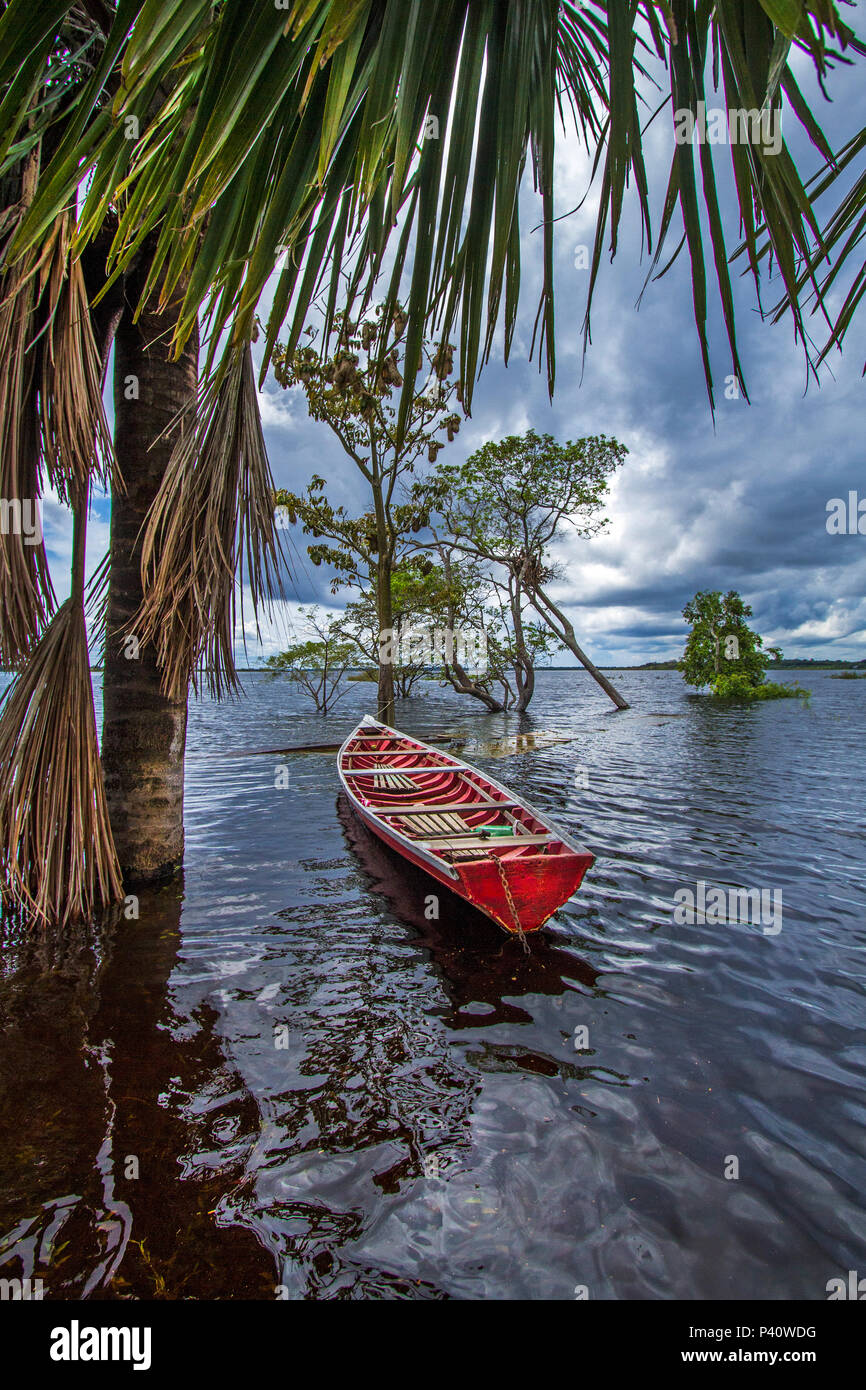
(537, 883)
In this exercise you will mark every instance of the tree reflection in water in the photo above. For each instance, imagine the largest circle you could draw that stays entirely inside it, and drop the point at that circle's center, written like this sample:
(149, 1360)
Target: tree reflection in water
(96, 1080)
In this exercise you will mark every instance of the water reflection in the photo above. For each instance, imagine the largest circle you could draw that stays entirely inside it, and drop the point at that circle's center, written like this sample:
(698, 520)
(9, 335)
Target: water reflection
(484, 972)
(106, 1187)
(327, 1091)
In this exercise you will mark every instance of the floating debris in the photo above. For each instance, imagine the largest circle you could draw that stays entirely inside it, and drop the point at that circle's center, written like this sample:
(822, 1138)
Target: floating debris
(519, 743)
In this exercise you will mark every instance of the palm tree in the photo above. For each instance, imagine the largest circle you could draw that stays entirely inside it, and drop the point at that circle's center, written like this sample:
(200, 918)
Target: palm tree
(56, 342)
(175, 151)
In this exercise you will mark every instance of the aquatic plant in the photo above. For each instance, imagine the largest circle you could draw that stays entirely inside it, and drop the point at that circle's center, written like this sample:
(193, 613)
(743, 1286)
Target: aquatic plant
(739, 686)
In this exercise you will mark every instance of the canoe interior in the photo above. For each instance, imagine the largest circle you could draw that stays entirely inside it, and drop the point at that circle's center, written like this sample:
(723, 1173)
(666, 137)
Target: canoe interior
(443, 803)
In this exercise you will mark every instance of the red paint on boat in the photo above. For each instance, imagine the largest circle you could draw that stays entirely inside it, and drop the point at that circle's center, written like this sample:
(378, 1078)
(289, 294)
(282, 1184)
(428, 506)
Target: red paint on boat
(466, 830)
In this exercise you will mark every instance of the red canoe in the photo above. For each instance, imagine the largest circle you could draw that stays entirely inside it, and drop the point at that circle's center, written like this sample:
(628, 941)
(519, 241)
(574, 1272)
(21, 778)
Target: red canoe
(464, 829)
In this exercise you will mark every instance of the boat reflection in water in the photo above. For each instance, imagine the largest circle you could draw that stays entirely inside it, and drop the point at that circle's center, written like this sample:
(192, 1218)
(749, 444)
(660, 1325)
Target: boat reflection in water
(479, 964)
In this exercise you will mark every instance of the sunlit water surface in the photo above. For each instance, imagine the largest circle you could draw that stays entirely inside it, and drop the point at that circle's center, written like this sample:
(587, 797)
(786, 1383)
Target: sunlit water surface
(284, 1074)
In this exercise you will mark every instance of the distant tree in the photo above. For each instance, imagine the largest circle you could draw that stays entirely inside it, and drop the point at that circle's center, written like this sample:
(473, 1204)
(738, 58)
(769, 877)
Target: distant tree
(508, 503)
(721, 645)
(419, 603)
(351, 391)
(479, 605)
(319, 664)
(512, 660)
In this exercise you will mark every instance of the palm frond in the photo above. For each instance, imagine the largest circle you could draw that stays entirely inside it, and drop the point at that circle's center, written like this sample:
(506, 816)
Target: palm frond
(53, 418)
(26, 593)
(76, 438)
(96, 607)
(843, 232)
(57, 858)
(211, 524)
(306, 129)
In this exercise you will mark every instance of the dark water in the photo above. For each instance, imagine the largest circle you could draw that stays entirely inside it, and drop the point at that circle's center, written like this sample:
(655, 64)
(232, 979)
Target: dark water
(321, 1089)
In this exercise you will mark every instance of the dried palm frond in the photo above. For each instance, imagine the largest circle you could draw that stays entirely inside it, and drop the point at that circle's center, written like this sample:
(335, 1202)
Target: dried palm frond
(96, 608)
(26, 594)
(76, 438)
(212, 522)
(51, 409)
(57, 857)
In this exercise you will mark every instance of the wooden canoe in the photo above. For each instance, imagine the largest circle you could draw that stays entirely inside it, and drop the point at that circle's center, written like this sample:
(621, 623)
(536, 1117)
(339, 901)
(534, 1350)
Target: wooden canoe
(468, 832)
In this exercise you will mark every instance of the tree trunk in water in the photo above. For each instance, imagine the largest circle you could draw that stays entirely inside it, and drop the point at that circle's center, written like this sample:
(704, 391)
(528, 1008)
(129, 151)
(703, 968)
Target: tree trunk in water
(565, 633)
(458, 676)
(463, 683)
(525, 677)
(524, 667)
(144, 733)
(385, 701)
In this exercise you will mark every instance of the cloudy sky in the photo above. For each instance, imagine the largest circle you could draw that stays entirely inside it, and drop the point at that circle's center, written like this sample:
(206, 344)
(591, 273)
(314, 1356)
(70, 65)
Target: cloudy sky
(736, 504)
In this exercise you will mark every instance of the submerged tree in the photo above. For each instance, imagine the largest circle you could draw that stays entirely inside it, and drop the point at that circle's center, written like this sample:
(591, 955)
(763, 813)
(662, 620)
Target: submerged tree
(509, 502)
(318, 664)
(505, 678)
(492, 649)
(517, 646)
(722, 651)
(419, 605)
(352, 392)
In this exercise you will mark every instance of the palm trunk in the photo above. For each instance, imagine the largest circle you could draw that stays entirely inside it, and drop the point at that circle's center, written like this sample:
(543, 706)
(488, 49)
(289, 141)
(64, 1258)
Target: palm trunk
(144, 732)
(565, 632)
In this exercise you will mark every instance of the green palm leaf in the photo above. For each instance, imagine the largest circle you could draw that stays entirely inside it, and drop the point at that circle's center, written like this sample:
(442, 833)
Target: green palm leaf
(262, 120)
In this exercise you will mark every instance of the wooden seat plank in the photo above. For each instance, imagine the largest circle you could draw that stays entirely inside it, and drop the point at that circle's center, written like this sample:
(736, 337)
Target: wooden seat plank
(378, 771)
(386, 753)
(448, 806)
(494, 842)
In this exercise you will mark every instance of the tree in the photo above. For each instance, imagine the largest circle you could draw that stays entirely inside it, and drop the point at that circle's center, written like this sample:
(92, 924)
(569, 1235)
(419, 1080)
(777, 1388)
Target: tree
(510, 661)
(317, 665)
(487, 616)
(351, 391)
(144, 722)
(506, 505)
(418, 597)
(721, 645)
(450, 621)
(197, 145)
(121, 812)
(521, 645)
